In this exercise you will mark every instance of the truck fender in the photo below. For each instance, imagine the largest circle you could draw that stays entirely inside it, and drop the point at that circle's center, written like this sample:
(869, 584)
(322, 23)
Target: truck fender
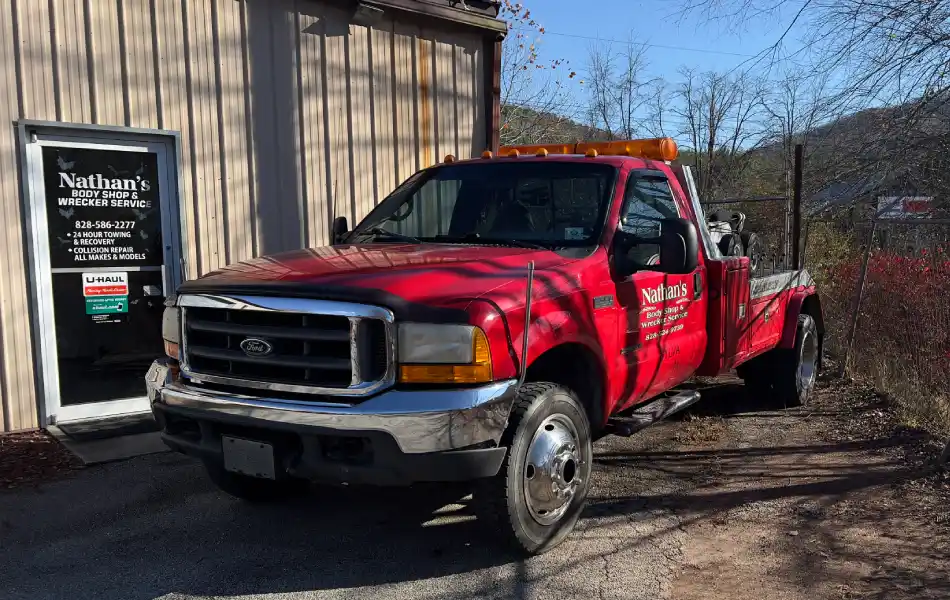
(589, 375)
(543, 344)
(807, 302)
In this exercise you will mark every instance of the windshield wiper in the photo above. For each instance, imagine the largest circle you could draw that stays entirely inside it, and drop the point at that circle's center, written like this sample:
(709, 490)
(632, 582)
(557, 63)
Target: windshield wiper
(512, 242)
(474, 238)
(380, 232)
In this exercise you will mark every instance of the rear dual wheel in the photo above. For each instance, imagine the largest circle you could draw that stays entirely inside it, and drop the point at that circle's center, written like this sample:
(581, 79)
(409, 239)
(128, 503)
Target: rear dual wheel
(541, 488)
(787, 374)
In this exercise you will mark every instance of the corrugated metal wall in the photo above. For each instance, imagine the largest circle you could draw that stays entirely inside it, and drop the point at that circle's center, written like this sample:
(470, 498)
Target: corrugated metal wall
(290, 115)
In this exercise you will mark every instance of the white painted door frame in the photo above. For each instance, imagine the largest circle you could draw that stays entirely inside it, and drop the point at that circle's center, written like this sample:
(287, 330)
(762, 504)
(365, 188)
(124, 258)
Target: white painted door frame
(34, 138)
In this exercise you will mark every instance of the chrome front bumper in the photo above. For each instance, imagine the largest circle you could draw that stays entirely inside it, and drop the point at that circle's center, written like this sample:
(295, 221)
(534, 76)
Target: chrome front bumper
(419, 421)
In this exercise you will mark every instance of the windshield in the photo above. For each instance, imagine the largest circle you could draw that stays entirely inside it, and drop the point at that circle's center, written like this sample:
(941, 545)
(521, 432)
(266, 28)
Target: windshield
(553, 203)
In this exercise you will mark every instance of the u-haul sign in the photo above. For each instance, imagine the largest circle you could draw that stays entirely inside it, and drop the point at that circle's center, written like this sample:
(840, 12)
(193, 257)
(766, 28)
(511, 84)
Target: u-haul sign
(105, 284)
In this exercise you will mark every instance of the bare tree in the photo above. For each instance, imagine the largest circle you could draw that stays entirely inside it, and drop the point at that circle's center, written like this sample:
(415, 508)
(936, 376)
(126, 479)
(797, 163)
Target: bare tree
(886, 127)
(720, 118)
(882, 53)
(795, 105)
(658, 122)
(534, 91)
(618, 89)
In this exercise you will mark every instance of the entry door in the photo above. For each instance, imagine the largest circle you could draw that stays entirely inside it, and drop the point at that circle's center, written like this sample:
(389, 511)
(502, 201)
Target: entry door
(664, 332)
(105, 254)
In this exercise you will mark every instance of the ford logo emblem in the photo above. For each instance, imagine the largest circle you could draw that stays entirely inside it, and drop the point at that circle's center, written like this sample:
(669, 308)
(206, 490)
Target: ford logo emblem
(256, 347)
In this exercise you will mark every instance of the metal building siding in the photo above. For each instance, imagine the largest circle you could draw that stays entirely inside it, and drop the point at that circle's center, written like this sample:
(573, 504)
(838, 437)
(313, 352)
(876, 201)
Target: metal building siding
(289, 114)
(72, 66)
(17, 397)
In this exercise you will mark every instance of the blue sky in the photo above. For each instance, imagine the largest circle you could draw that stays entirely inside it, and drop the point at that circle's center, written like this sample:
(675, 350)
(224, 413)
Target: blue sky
(674, 39)
(707, 46)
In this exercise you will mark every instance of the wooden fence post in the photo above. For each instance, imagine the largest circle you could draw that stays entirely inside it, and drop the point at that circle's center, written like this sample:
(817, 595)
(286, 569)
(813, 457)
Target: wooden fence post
(856, 304)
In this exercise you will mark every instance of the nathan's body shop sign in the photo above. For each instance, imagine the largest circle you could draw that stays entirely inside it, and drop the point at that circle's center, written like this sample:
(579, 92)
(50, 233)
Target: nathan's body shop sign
(102, 208)
(103, 214)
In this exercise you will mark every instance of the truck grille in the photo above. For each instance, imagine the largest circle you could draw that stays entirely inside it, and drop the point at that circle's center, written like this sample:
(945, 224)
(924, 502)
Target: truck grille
(303, 352)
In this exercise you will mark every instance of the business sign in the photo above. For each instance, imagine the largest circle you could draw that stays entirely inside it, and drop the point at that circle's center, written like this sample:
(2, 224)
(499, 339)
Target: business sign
(105, 284)
(904, 207)
(106, 293)
(102, 208)
(107, 305)
(101, 204)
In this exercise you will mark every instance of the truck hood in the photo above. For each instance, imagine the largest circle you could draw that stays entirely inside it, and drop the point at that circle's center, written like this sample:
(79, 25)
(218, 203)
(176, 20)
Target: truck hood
(407, 278)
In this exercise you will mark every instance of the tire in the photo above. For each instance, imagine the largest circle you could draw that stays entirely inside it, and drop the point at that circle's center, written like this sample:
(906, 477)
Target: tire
(729, 245)
(758, 375)
(253, 489)
(787, 375)
(549, 445)
(752, 247)
(796, 369)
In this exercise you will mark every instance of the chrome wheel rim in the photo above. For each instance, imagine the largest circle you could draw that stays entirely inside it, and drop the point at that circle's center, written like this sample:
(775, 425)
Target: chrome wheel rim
(807, 362)
(553, 469)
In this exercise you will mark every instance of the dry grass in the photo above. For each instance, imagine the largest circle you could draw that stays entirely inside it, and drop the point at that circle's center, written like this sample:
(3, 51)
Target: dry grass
(698, 431)
(902, 343)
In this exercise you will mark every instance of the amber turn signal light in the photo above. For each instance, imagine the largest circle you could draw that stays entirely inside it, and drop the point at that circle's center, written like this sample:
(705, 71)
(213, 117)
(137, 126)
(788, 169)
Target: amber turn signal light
(479, 371)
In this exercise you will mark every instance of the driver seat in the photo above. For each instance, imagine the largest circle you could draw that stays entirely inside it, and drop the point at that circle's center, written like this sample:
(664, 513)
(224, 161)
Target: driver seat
(512, 218)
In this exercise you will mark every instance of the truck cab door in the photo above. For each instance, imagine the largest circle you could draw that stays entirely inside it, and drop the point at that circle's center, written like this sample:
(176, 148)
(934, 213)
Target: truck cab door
(663, 327)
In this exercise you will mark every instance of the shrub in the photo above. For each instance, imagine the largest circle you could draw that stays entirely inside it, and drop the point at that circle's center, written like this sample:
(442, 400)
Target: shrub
(902, 341)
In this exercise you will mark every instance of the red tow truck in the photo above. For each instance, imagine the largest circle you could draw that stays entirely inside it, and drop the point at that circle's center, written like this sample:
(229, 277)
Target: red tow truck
(486, 322)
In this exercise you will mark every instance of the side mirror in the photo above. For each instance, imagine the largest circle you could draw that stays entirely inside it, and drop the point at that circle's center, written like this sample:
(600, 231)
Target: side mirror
(677, 246)
(339, 229)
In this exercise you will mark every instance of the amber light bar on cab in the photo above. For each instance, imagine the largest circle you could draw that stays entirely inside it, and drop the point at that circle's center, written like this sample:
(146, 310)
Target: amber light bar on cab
(654, 149)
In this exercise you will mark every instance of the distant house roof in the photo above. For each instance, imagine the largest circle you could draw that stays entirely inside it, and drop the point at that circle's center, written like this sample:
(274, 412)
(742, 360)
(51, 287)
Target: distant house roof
(846, 193)
(840, 194)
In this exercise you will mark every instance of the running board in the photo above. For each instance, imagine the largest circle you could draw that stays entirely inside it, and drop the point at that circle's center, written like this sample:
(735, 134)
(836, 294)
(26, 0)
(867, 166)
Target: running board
(651, 413)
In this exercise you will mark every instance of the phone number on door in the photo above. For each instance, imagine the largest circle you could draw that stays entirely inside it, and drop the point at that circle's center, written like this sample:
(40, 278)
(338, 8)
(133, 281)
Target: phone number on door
(105, 224)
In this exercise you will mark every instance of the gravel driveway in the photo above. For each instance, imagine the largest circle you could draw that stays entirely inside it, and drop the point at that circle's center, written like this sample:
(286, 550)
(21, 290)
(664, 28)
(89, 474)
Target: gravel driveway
(696, 500)
(154, 527)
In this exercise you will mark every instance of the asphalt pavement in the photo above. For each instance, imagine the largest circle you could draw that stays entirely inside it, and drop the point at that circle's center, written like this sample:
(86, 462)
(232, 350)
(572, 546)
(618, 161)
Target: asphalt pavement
(155, 527)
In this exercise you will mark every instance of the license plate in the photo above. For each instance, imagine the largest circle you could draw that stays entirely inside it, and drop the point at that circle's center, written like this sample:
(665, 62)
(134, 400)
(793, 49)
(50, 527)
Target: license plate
(248, 457)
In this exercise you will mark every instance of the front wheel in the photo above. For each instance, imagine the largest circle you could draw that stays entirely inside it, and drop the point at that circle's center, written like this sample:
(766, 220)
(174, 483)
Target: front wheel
(537, 496)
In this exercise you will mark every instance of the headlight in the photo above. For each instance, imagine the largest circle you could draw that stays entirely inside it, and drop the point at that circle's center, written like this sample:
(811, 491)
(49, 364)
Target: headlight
(443, 354)
(171, 330)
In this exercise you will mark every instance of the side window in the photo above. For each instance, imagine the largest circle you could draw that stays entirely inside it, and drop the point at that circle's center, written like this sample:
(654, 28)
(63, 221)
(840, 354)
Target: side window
(647, 201)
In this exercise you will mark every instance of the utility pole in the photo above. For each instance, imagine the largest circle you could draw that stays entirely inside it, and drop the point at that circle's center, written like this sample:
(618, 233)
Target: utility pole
(788, 205)
(797, 207)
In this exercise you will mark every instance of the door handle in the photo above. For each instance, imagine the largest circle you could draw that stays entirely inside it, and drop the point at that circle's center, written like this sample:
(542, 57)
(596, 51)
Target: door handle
(697, 285)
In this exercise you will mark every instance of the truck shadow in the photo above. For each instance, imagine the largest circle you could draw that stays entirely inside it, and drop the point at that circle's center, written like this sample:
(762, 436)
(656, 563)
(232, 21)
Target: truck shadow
(728, 397)
(337, 538)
